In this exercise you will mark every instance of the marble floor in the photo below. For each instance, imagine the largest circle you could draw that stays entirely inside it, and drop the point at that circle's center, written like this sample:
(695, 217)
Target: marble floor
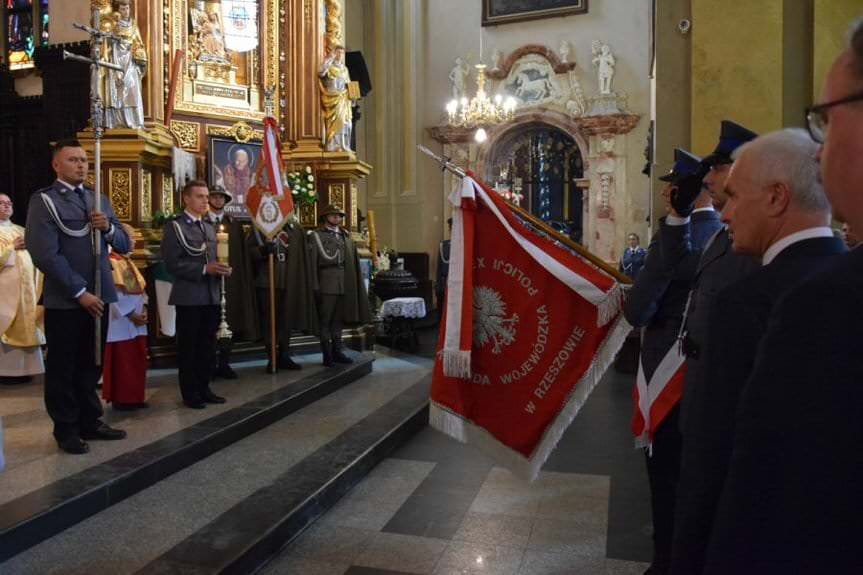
(433, 507)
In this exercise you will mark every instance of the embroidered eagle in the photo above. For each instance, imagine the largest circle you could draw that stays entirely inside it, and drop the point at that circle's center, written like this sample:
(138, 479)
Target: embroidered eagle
(490, 321)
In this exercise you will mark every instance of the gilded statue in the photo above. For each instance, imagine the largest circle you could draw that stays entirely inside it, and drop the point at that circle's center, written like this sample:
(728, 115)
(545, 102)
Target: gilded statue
(124, 103)
(336, 103)
(207, 25)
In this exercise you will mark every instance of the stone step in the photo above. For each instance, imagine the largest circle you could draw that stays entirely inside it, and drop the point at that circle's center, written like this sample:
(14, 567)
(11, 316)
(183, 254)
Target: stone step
(232, 511)
(48, 510)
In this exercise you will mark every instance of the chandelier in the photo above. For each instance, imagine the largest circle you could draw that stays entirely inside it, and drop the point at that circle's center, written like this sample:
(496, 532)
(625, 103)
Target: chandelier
(481, 110)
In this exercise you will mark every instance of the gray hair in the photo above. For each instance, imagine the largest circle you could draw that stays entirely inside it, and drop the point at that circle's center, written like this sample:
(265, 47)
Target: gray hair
(788, 157)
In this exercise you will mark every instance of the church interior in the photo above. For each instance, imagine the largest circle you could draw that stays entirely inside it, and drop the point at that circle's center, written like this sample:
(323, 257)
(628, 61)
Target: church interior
(372, 112)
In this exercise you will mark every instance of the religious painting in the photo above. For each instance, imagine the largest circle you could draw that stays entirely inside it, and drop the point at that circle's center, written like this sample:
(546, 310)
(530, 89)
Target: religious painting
(505, 11)
(232, 165)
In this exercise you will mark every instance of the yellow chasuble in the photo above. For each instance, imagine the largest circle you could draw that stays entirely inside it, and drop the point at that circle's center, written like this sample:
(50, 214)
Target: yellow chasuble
(20, 286)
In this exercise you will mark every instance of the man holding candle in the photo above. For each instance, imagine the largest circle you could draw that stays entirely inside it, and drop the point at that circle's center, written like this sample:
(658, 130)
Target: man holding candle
(189, 249)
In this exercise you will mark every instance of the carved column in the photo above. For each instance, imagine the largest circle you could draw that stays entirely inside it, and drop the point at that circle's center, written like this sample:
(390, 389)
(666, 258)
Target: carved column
(301, 55)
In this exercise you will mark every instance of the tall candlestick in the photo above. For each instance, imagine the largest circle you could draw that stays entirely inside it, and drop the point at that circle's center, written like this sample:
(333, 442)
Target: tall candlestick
(222, 245)
(224, 332)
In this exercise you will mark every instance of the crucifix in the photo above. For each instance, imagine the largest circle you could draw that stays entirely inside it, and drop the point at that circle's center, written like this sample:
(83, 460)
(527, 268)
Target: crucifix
(97, 119)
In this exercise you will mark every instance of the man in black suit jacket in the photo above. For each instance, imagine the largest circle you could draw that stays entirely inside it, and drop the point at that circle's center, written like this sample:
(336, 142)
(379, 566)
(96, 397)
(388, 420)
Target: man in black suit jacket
(777, 212)
(656, 302)
(791, 501)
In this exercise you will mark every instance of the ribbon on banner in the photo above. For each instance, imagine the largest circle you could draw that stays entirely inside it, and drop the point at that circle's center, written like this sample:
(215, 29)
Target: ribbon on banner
(528, 330)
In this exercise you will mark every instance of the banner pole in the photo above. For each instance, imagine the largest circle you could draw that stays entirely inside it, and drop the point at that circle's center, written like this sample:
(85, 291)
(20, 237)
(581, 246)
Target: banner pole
(273, 342)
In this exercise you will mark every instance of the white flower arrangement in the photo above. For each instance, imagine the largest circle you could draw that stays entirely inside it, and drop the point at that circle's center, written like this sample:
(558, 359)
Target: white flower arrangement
(302, 183)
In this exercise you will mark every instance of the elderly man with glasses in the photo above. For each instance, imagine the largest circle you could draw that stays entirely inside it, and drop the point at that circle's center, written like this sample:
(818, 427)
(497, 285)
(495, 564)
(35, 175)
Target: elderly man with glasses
(791, 501)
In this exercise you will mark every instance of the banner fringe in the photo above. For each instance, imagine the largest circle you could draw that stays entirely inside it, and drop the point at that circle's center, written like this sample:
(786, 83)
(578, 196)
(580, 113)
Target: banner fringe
(611, 306)
(456, 363)
(465, 431)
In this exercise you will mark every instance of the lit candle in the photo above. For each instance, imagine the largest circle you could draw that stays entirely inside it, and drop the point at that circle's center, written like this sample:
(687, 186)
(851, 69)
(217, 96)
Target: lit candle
(222, 245)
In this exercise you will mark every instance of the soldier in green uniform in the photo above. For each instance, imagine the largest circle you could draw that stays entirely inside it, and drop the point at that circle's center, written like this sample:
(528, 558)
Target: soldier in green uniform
(295, 305)
(337, 283)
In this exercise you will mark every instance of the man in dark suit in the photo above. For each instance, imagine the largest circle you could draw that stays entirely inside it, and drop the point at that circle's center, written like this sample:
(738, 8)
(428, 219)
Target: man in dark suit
(791, 501)
(776, 212)
(656, 302)
(58, 237)
(715, 264)
(189, 252)
(633, 257)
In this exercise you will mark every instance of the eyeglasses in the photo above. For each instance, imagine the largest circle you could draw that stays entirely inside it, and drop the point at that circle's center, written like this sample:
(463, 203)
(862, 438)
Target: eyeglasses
(816, 116)
(5, 203)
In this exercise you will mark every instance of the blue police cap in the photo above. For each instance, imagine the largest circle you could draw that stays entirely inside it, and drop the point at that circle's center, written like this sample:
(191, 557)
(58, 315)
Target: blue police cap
(731, 137)
(685, 164)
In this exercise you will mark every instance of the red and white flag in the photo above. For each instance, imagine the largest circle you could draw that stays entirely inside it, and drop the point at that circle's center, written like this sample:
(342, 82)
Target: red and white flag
(529, 329)
(655, 400)
(269, 200)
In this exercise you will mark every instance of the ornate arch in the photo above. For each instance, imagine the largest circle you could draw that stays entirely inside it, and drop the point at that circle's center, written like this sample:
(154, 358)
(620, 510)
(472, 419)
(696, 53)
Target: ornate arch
(498, 135)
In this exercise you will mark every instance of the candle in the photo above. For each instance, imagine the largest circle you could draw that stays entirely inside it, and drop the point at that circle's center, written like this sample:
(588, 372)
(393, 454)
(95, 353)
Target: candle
(222, 245)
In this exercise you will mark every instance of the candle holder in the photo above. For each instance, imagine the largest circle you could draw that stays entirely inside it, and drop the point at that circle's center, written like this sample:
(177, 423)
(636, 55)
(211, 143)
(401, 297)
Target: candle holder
(224, 332)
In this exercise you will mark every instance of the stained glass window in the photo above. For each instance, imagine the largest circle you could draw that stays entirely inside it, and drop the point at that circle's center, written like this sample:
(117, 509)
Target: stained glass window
(26, 26)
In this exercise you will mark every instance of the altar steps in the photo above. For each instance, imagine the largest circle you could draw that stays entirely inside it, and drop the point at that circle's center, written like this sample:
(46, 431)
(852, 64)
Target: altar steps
(37, 516)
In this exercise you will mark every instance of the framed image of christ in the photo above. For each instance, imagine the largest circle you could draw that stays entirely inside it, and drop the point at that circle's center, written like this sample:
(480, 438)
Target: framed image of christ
(232, 165)
(496, 12)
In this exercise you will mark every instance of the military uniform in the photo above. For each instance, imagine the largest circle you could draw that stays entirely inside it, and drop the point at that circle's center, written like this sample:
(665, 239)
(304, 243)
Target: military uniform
(293, 297)
(56, 219)
(222, 366)
(338, 287)
(188, 245)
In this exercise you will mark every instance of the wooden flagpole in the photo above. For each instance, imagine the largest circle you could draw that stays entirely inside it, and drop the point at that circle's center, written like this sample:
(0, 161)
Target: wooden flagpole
(273, 342)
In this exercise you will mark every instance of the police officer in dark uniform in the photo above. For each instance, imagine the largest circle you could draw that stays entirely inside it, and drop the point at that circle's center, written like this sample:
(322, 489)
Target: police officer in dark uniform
(656, 302)
(442, 268)
(58, 238)
(219, 217)
(189, 252)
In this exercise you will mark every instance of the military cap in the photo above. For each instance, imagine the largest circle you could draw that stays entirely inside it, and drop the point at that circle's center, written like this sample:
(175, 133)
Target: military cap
(731, 137)
(331, 209)
(685, 164)
(219, 190)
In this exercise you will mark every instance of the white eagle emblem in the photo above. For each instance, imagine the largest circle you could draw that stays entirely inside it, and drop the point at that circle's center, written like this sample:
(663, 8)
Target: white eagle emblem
(490, 321)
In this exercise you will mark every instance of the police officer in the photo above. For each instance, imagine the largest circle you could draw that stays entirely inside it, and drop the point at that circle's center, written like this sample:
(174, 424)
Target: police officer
(189, 252)
(219, 217)
(58, 238)
(656, 303)
(334, 270)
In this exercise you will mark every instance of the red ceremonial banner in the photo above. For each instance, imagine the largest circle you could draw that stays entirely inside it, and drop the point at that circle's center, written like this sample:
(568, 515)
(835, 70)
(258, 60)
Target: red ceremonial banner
(528, 331)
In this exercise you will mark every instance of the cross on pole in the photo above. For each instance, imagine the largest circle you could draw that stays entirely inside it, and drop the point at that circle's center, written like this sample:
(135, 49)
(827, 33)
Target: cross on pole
(97, 119)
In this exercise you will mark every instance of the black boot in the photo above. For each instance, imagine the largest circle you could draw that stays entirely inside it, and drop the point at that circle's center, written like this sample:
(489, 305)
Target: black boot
(339, 354)
(284, 360)
(327, 351)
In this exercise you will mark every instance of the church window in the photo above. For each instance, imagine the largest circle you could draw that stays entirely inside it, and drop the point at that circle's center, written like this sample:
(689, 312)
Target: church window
(25, 26)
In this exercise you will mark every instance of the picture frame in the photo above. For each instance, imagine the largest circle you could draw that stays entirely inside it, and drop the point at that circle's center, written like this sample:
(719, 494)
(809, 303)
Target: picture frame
(495, 12)
(231, 164)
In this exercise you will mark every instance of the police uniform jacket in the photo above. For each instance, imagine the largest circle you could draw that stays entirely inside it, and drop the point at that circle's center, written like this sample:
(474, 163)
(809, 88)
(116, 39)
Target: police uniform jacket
(67, 261)
(187, 247)
(714, 269)
(633, 261)
(657, 299)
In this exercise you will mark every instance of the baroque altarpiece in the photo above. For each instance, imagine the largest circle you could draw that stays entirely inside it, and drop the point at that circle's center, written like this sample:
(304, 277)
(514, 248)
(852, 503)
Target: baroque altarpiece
(208, 71)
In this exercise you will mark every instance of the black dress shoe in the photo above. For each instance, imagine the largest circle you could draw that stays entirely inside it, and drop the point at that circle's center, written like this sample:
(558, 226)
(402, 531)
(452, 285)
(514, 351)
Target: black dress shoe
(226, 372)
(73, 445)
(340, 357)
(104, 432)
(285, 362)
(196, 404)
(211, 397)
